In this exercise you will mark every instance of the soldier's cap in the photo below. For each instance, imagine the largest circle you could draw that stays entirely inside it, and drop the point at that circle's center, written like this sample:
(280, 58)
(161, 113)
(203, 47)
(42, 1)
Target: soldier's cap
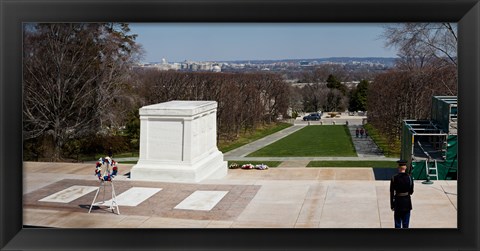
(401, 162)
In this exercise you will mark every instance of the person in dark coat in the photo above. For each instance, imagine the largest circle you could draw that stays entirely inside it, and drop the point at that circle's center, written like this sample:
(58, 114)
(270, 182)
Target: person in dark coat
(401, 189)
(361, 132)
(357, 131)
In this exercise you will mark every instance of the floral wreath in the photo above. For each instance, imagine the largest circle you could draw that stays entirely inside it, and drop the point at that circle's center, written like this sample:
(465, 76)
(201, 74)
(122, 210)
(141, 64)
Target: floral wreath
(107, 175)
(248, 166)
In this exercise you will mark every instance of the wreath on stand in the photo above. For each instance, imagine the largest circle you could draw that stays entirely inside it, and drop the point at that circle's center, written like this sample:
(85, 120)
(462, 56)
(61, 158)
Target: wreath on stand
(107, 174)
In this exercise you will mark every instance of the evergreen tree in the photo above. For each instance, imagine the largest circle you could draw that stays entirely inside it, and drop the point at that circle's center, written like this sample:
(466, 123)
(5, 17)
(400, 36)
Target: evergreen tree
(358, 97)
(334, 83)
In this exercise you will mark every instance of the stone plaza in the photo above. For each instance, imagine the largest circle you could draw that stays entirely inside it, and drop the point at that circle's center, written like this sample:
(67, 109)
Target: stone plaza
(181, 181)
(282, 197)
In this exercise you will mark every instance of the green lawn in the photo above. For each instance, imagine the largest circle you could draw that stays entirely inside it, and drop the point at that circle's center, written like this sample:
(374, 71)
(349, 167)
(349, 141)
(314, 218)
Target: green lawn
(248, 137)
(391, 164)
(311, 141)
(268, 163)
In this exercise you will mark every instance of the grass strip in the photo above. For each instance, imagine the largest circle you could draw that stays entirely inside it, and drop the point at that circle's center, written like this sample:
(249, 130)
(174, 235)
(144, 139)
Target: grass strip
(115, 155)
(250, 136)
(128, 162)
(312, 141)
(126, 155)
(268, 163)
(363, 163)
(388, 149)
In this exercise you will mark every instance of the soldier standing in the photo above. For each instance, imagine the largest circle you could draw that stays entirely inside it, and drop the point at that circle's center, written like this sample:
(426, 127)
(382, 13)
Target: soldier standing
(401, 187)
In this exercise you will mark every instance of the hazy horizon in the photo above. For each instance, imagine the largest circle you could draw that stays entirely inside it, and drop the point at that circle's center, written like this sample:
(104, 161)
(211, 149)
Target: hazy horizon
(177, 42)
(281, 59)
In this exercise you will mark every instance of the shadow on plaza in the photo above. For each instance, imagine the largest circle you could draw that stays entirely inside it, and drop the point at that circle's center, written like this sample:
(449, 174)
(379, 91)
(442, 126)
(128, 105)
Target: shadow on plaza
(384, 173)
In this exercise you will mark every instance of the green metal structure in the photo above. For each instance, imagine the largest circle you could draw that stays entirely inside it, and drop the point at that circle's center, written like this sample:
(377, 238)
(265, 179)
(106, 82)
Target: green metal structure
(430, 146)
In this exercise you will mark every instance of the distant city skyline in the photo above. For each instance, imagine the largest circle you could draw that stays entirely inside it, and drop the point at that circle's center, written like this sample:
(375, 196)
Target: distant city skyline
(177, 42)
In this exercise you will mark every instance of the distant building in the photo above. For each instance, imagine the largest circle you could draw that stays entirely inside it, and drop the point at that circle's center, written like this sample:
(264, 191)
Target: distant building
(216, 68)
(304, 63)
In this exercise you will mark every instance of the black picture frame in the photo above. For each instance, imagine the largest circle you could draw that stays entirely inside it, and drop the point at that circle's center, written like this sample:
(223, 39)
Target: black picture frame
(14, 13)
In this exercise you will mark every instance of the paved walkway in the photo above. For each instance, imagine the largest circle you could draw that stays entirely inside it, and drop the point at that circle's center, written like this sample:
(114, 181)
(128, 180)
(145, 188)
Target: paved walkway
(364, 146)
(273, 198)
(341, 119)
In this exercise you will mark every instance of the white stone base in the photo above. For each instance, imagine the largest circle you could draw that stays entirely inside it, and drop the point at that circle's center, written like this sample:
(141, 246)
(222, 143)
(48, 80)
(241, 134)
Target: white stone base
(208, 167)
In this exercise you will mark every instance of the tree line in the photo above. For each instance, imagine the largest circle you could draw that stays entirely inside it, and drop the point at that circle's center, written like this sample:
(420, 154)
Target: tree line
(245, 100)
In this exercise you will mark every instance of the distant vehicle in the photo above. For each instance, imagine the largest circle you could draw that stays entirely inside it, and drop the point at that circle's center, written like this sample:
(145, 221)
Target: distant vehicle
(312, 116)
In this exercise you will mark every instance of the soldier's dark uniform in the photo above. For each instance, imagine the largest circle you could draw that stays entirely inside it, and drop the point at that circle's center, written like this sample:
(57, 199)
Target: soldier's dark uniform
(401, 187)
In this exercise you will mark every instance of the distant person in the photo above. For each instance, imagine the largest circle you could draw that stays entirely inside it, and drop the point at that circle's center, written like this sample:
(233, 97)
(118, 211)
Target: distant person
(357, 131)
(361, 132)
(366, 133)
(401, 188)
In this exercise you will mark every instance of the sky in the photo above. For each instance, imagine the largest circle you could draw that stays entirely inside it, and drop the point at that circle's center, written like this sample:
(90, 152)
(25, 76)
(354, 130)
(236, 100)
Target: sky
(177, 42)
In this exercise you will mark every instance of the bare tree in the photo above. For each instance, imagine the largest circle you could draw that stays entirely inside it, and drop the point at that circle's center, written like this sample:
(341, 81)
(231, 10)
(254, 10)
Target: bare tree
(73, 74)
(314, 96)
(401, 94)
(295, 99)
(423, 41)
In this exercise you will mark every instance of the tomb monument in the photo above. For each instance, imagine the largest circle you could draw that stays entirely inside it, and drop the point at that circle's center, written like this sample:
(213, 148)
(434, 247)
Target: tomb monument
(178, 143)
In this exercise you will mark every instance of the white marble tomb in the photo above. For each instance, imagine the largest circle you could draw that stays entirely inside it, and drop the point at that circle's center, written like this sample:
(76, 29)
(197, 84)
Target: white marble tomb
(178, 143)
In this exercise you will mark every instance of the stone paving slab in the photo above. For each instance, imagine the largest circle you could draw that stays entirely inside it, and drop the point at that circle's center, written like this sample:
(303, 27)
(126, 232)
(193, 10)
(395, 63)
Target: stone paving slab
(323, 173)
(69, 194)
(201, 200)
(40, 175)
(132, 197)
(346, 205)
(273, 198)
(294, 163)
